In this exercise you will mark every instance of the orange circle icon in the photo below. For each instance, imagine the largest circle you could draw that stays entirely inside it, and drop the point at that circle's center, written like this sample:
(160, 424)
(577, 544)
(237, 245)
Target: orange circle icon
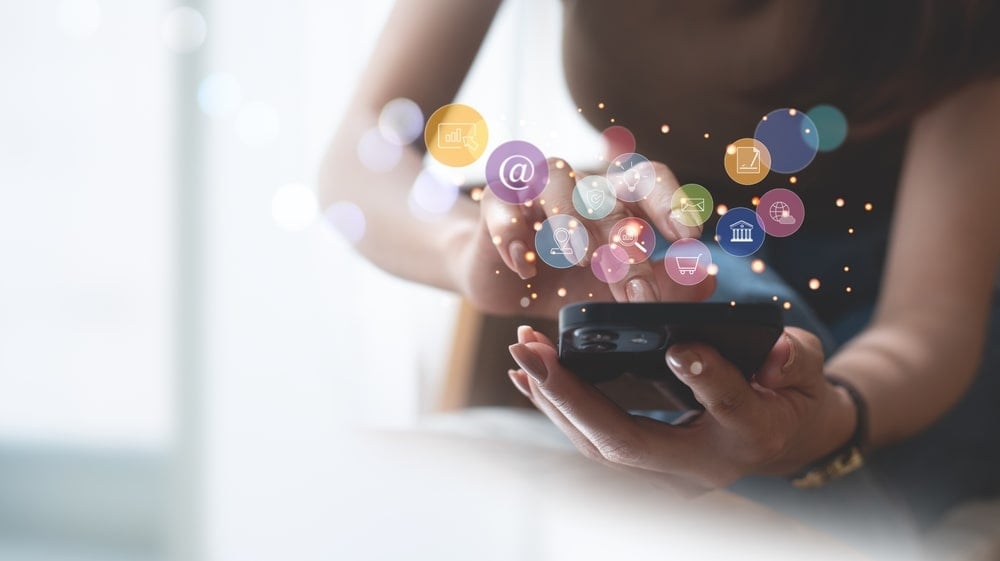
(456, 135)
(747, 161)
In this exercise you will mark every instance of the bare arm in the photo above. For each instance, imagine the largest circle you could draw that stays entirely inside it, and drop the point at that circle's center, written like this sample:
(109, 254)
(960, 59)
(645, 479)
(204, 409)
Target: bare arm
(424, 53)
(922, 349)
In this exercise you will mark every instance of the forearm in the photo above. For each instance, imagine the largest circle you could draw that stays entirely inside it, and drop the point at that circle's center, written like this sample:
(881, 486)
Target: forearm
(395, 239)
(909, 376)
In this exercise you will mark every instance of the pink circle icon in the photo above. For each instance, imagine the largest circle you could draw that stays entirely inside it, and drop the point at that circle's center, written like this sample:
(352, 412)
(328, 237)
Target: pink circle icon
(781, 212)
(635, 236)
(609, 263)
(687, 261)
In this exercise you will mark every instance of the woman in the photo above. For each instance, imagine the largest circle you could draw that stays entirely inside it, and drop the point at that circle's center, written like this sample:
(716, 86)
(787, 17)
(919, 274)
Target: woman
(919, 85)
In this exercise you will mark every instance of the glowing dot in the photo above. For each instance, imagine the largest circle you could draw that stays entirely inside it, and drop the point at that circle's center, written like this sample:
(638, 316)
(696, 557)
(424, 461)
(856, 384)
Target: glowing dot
(583, 310)
(561, 292)
(513, 220)
(555, 210)
(764, 118)
(497, 271)
(571, 174)
(774, 298)
(560, 164)
(792, 112)
(612, 119)
(839, 202)
(757, 266)
(541, 202)
(534, 296)
(847, 269)
(850, 230)
(529, 204)
(732, 303)
(868, 207)
(721, 210)
(808, 130)
(528, 285)
(731, 149)
(294, 207)
(664, 128)
(537, 226)
(497, 240)
(573, 223)
(525, 302)
(814, 284)
(600, 105)
(530, 257)
(712, 269)
(707, 135)
(183, 29)
(476, 194)
(787, 305)
(590, 295)
(579, 109)
(755, 201)
(848, 289)
(793, 180)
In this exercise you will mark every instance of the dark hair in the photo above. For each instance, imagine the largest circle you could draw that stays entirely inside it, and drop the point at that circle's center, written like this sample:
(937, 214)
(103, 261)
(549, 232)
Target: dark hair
(883, 62)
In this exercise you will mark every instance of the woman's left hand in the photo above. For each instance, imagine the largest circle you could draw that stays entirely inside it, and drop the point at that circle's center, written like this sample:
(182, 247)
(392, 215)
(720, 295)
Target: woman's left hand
(783, 419)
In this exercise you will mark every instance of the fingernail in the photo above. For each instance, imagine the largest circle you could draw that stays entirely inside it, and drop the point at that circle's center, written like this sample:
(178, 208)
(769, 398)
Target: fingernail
(685, 362)
(524, 334)
(518, 255)
(791, 351)
(529, 361)
(638, 290)
(519, 383)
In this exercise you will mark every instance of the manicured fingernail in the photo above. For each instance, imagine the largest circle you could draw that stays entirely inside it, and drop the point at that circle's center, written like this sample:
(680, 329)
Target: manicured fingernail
(519, 256)
(791, 352)
(529, 361)
(638, 290)
(524, 334)
(519, 383)
(685, 362)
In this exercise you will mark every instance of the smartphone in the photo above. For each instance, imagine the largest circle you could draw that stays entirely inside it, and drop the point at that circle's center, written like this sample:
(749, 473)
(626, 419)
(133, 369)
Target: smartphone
(600, 341)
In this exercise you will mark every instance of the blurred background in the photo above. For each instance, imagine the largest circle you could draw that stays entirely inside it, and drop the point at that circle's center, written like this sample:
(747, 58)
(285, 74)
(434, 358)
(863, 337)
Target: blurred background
(184, 339)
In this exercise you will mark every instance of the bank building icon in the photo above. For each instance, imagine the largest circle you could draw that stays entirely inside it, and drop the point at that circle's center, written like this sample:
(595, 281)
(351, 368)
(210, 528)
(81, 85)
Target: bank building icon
(742, 231)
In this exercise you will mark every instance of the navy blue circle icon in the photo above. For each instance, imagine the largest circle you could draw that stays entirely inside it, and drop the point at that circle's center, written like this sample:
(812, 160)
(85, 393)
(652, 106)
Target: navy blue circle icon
(740, 232)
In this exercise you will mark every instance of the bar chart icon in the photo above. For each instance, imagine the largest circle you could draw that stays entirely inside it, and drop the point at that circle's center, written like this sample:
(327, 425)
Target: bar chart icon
(455, 136)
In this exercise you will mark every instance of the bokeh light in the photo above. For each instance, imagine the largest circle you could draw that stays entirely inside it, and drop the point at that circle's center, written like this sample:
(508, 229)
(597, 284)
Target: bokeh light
(183, 29)
(831, 125)
(432, 194)
(257, 124)
(791, 138)
(401, 121)
(219, 95)
(78, 19)
(609, 263)
(617, 140)
(376, 153)
(347, 219)
(294, 206)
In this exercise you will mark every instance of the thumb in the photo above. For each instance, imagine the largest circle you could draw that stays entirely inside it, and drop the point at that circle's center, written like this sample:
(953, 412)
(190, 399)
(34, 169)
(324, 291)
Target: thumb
(796, 360)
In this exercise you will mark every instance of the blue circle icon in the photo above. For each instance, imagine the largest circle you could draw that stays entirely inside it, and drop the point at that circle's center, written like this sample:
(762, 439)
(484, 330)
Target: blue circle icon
(791, 138)
(740, 232)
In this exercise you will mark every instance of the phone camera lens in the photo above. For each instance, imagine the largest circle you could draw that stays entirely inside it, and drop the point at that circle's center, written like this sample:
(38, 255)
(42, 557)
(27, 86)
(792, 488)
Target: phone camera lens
(598, 347)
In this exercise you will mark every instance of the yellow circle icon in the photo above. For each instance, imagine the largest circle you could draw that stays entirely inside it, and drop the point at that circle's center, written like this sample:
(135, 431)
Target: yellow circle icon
(456, 135)
(747, 161)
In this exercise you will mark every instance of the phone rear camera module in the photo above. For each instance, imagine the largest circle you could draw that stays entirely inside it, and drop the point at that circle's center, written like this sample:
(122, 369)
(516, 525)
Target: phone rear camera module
(595, 335)
(597, 347)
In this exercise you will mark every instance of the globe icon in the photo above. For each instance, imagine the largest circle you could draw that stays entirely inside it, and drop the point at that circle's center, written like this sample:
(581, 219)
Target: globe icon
(781, 213)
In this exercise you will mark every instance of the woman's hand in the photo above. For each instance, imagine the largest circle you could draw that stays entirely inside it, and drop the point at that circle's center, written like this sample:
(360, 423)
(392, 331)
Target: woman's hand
(497, 264)
(787, 417)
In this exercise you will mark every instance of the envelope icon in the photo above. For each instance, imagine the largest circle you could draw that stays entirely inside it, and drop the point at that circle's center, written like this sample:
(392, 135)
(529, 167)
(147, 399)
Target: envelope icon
(692, 205)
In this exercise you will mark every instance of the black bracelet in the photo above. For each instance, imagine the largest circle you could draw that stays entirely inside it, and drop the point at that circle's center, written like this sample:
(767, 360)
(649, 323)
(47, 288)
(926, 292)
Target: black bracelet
(848, 457)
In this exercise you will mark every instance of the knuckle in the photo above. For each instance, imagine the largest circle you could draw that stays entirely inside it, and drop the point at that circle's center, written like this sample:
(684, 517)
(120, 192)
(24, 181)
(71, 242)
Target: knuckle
(727, 403)
(621, 450)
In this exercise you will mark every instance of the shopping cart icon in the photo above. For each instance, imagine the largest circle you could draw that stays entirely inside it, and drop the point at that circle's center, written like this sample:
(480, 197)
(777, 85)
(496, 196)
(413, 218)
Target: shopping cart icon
(687, 265)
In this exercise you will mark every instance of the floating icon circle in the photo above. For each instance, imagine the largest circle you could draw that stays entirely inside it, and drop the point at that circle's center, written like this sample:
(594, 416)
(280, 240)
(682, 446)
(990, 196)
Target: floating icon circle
(791, 137)
(456, 135)
(740, 232)
(691, 205)
(617, 140)
(593, 197)
(632, 176)
(781, 212)
(636, 236)
(687, 261)
(562, 241)
(517, 172)
(747, 161)
(609, 263)
(831, 124)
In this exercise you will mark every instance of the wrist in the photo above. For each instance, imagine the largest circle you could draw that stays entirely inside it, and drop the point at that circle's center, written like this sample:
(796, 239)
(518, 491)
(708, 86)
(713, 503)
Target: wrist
(845, 437)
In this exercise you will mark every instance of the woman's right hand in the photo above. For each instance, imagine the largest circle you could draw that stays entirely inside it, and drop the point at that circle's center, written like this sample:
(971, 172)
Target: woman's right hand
(496, 268)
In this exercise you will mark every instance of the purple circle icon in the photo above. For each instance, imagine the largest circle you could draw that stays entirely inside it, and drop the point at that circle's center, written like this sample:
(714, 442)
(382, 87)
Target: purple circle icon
(687, 261)
(517, 172)
(781, 212)
(609, 263)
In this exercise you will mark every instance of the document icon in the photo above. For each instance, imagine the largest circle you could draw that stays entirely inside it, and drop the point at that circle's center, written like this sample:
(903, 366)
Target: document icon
(692, 205)
(747, 159)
